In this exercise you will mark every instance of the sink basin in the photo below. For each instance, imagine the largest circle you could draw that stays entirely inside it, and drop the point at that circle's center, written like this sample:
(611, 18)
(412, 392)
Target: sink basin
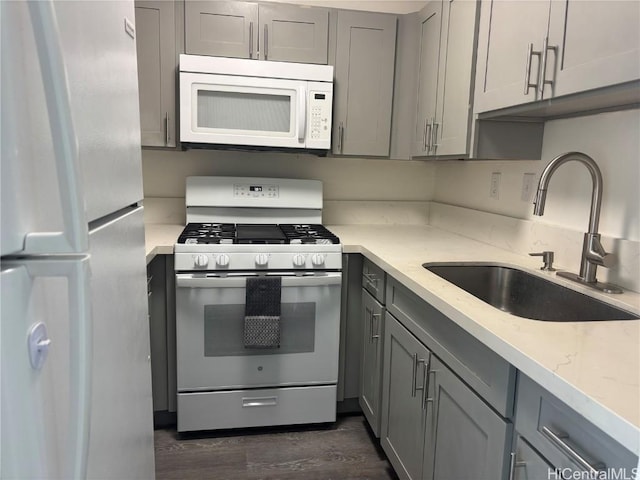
(526, 295)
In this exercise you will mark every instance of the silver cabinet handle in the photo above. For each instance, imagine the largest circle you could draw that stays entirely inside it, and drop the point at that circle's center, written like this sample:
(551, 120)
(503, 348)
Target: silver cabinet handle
(372, 279)
(543, 69)
(513, 464)
(340, 137)
(527, 70)
(427, 383)
(167, 137)
(424, 136)
(250, 39)
(375, 336)
(427, 144)
(414, 381)
(266, 41)
(559, 441)
(434, 138)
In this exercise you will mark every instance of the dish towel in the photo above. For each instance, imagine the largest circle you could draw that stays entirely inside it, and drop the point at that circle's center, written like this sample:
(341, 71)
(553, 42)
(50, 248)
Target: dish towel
(262, 312)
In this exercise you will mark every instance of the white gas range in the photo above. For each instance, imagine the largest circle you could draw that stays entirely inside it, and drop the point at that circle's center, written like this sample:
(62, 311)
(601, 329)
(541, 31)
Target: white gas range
(258, 282)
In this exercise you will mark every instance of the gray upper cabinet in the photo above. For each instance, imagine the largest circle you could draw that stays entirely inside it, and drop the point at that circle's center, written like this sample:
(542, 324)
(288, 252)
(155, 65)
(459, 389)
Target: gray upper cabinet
(461, 426)
(446, 56)
(597, 44)
(221, 28)
(157, 62)
(536, 50)
(294, 34)
(239, 29)
(363, 90)
(510, 39)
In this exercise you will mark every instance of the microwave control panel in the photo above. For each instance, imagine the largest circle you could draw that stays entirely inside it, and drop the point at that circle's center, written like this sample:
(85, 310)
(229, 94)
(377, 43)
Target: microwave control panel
(320, 103)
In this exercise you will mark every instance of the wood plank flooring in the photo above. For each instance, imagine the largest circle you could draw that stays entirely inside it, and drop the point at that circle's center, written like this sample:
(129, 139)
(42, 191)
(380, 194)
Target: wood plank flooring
(346, 450)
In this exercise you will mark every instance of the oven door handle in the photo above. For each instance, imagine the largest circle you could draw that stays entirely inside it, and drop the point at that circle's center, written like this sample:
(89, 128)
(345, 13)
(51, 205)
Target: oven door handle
(190, 281)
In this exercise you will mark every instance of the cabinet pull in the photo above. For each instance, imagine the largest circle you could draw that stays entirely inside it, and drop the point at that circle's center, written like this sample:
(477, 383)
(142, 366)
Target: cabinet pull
(434, 138)
(427, 383)
(340, 137)
(527, 70)
(167, 137)
(543, 80)
(513, 464)
(375, 336)
(559, 441)
(266, 41)
(414, 381)
(371, 279)
(427, 134)
(250, 39)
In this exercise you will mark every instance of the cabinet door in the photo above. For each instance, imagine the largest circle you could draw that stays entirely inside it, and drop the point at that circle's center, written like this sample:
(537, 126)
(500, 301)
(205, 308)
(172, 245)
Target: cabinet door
(371, 365)
(430, 28)
(290, 33)
(451, 128)
(221, 28)
(157, 62)
(403, 412)
(365, 57)
(507, 29)
(527, 463)
(598, 45)
(465, 439)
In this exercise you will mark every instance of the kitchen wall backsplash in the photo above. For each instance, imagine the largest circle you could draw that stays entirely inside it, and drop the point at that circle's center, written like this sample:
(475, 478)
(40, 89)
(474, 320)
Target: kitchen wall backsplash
(343, 178)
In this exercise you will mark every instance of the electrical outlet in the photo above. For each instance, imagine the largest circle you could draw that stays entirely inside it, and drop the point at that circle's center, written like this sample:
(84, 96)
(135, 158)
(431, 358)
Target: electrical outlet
(528, 181)
(494, 191)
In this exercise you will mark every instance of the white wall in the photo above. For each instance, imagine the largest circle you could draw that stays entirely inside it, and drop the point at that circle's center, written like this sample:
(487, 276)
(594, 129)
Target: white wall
(612, 139)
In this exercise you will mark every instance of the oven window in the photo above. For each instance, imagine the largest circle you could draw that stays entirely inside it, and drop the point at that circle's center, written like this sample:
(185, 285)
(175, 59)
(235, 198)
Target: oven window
(224, 330)
(244, 111)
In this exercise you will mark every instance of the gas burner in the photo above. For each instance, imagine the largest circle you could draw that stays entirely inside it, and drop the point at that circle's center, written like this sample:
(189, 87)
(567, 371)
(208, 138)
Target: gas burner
(309, 234)
(208, 233)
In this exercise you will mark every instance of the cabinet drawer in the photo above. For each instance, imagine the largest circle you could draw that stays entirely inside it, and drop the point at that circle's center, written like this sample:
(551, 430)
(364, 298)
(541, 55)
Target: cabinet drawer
(562, 436)
(373, 280)
(492, 377)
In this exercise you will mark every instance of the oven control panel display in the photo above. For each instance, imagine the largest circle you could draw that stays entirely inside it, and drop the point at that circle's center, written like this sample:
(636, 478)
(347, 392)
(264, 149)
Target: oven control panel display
(255, 191)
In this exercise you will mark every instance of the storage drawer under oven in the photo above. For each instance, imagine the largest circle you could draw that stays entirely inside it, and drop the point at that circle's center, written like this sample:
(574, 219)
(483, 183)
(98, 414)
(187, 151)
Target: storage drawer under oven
(211, 354)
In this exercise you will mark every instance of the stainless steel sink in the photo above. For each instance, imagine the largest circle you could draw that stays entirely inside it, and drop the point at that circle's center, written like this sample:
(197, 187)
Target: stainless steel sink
(526, 295)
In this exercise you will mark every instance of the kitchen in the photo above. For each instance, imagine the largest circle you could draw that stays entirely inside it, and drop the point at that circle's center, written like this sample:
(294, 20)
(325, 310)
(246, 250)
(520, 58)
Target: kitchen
(464, 198)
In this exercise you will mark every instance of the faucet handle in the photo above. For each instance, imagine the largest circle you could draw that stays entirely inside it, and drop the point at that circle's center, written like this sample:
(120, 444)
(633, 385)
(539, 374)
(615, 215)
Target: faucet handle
(547, 258)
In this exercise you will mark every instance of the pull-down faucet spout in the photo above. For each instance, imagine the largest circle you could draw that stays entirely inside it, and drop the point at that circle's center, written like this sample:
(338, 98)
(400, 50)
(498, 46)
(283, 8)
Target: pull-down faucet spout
(593, 254)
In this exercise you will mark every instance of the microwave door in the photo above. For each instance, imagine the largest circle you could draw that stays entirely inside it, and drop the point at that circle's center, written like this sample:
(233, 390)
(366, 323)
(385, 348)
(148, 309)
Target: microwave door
(234, 110)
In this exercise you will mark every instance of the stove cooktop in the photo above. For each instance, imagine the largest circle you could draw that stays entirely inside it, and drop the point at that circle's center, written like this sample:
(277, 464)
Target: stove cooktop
(229, 233)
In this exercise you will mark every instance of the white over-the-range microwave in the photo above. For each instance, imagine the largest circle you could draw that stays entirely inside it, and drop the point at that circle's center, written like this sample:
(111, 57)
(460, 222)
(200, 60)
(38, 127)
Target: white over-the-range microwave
(252, 103)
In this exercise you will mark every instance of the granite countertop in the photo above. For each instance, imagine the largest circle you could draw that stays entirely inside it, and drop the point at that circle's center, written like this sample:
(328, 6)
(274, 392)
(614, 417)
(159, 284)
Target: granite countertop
(592, 366)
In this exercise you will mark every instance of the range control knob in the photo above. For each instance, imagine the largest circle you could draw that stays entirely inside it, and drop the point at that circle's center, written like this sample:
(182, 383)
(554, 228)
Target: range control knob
(222, 260)
(317, 259)
(262, 259)
(299, 260)
(201, 261)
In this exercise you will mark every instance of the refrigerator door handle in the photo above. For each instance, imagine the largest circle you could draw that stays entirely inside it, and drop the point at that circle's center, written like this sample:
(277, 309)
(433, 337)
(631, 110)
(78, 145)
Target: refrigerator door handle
(76, 270)
(75, 237)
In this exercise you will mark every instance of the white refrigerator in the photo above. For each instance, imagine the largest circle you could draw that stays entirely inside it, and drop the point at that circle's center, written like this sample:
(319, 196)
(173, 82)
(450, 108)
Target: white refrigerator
(75, 376)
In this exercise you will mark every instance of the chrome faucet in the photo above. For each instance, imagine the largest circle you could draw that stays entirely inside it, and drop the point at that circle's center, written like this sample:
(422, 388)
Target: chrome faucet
(593, 254)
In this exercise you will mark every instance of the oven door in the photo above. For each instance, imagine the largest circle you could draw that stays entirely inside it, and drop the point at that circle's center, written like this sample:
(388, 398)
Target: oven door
(210, 334)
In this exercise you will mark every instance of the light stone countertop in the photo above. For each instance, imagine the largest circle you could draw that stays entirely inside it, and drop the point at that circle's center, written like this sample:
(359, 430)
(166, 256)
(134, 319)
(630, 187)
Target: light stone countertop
(592, 366)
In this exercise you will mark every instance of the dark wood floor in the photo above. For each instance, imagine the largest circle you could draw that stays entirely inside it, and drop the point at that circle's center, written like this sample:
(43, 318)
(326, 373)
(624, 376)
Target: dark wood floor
(342, 451)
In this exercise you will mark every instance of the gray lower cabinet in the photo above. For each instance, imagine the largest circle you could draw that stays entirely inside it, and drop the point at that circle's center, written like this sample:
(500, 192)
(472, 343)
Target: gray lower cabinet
(466, 440)
(527, 464)
(563, 439)
(157, 62)
(371, 363)
(433, 425)
(261, 31)
(403, 402)
(363, 89)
